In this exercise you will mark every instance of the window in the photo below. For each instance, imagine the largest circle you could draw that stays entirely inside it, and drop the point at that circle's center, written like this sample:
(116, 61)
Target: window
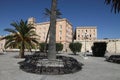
(44, 28)
(90, 30)
(60, 32)
(82, 36)
(60, 26)
(90, 35)
(44, 37)
(60, 38)
(82, 30)
(44, 33)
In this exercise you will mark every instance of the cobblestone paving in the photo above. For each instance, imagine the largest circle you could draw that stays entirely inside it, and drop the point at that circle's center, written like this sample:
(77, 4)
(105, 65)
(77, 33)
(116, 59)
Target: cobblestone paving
(94, 68)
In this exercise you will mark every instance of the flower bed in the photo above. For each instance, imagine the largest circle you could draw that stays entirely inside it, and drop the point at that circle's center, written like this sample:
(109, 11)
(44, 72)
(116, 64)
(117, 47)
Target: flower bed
(114, 59)
(39, 64)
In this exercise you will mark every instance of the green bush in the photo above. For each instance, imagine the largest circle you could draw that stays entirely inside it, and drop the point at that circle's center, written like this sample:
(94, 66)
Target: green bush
(99, 49)
(59, 47)
(42, 47)
(75, 47)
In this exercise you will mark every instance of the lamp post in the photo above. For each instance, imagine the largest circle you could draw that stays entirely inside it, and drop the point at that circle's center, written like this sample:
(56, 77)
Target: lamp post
(115, 46)
(85, 37)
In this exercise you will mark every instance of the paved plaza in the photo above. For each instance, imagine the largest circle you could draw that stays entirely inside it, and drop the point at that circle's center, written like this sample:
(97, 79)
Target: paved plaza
(95, 68)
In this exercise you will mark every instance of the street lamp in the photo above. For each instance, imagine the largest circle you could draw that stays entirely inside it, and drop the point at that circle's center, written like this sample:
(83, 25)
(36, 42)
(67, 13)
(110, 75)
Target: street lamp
(85, 37)
(115, 46)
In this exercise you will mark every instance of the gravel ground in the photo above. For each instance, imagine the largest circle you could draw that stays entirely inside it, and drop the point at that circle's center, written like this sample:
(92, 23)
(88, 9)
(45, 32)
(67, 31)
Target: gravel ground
(94, 68)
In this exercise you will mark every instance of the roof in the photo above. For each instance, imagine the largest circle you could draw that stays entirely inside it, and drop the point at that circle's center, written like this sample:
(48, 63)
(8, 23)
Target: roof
(86, 27)
(58, 20)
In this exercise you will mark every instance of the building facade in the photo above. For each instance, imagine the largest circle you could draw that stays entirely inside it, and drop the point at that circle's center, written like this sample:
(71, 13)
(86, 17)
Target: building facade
(113, 45)
(86, 33)
(2, 43)
(64, 31)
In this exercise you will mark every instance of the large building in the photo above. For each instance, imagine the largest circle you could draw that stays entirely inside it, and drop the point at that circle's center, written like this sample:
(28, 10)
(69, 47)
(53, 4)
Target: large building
(64, 31)
(86, 33)
(2, 43)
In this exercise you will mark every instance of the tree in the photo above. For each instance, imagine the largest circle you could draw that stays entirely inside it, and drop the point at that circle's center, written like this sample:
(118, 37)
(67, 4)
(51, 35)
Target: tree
(22, 37)
(115, 5)
(52, 39)
(43, 47)
(59, 47)
(47, 14)
(75, 47)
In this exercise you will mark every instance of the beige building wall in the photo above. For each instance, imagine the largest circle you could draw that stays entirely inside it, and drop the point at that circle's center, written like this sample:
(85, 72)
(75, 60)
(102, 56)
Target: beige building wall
(86, 44)
(113, 45)
(64, 31)
(2, 43)
(86, 32)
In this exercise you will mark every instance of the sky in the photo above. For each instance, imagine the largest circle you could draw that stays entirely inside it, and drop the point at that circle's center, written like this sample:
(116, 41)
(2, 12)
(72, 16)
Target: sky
(78, 13)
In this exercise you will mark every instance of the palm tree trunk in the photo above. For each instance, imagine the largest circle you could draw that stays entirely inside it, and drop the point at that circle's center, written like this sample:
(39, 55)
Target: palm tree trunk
(21, 54)
(45, 51)
(52, 40)
(73, 36)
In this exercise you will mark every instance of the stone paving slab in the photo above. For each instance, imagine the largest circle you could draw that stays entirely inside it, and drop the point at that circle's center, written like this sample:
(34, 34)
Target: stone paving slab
(93, 69)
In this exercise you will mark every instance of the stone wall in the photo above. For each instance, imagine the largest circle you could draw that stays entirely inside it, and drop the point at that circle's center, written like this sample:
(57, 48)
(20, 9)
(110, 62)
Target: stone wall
(2, 43)
(113, 46)
(87, 45)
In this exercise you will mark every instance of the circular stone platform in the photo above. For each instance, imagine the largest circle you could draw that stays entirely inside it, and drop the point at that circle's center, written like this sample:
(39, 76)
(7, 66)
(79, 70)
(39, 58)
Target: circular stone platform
(39, 64)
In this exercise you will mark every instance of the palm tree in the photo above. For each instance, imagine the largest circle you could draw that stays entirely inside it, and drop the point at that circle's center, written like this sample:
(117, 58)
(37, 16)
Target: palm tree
(22, 37)
(115, 5)
(52, 39)
(47, 14)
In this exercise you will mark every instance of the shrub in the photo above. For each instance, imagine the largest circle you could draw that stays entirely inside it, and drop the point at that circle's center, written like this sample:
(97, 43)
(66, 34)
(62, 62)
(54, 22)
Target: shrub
(42, 47)
(75, 47)
(99, 49)
(114, 59)
(59, 47)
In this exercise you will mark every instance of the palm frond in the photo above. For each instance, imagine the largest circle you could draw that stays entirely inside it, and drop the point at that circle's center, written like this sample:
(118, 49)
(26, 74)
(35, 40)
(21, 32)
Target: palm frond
(9, 43)
(22, 32)
(10, 30)
(7, 37)
(107, 1)
(115, 5)
(48, 13)
(58, 13)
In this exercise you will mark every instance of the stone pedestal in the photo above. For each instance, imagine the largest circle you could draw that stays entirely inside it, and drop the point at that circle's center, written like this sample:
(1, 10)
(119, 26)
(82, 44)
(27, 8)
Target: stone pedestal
(50, 63)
